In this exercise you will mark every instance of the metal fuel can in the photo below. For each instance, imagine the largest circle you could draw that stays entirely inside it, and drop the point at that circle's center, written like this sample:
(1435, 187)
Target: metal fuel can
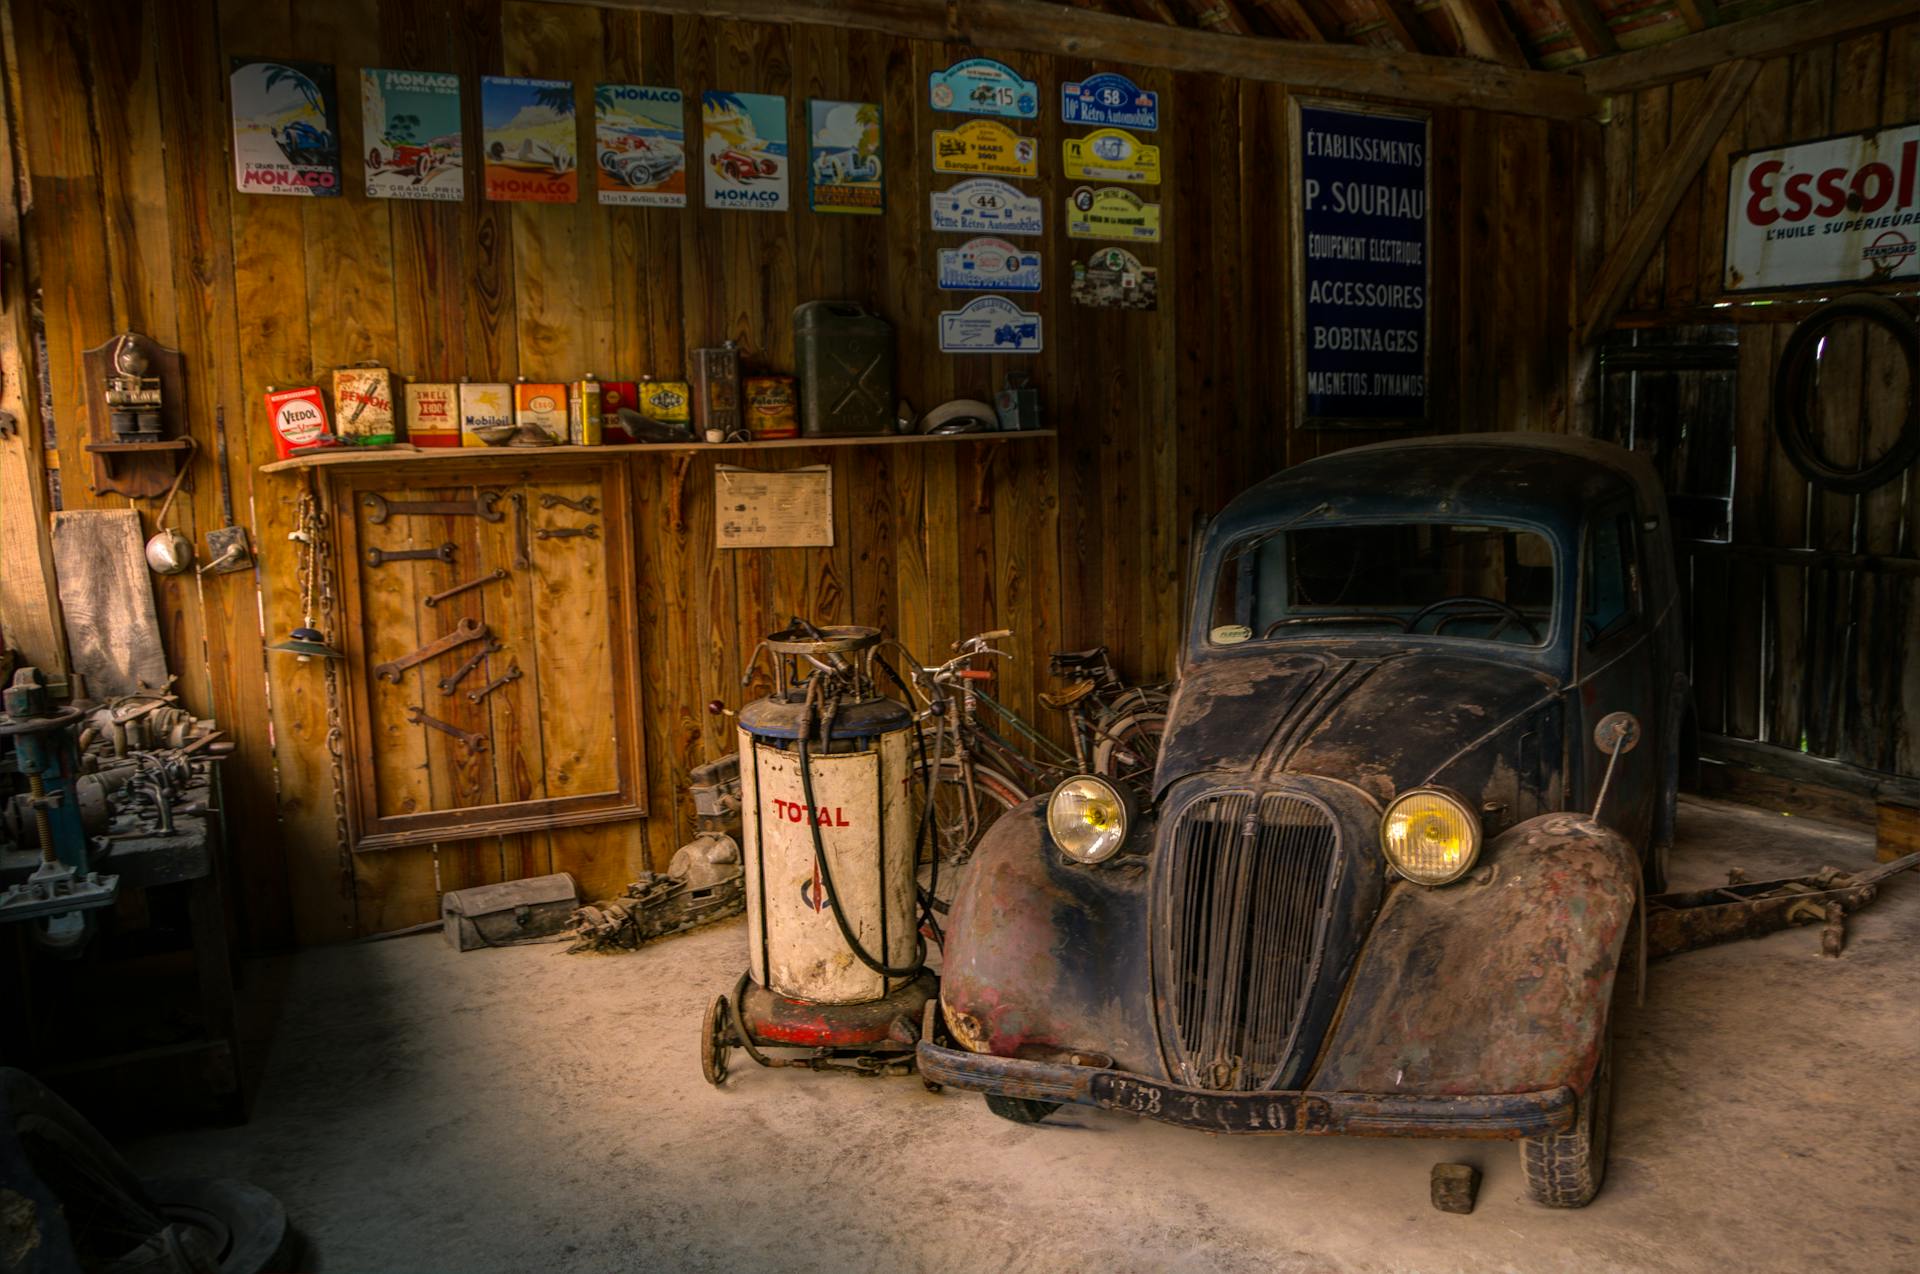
(716, 388)
(843, 353)
(433, 414)
(771, 408)
(540, 410)
(584, 427)
(298, 418)
(486, 414)
(363, 406)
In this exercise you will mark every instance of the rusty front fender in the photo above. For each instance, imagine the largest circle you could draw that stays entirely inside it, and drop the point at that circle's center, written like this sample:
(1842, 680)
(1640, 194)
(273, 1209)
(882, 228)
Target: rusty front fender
(1501, 983)
(1045, 957)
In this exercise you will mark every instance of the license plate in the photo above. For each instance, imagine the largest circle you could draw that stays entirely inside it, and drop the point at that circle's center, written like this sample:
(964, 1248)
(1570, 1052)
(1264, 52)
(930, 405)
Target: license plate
(1217, 1112)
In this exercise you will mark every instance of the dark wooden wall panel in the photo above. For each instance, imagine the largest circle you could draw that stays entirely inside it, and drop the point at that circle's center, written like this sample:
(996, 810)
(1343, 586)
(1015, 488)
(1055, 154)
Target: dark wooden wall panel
(1163, 416)
(1814, 656)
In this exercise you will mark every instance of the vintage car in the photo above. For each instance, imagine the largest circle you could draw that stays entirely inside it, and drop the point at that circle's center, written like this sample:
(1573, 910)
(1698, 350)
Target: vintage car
(736, 164)
(1420, 765)
(637, 162)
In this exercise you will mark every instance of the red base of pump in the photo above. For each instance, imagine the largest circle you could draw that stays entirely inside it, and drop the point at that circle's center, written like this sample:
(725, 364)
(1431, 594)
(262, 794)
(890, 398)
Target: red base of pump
(875, 1038)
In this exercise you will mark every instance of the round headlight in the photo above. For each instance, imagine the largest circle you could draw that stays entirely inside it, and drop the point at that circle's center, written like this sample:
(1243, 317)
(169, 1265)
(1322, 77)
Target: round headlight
(1430, 837)
(1089, 818)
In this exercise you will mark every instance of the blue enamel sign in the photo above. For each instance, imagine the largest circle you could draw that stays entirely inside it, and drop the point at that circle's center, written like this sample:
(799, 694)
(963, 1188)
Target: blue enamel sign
(981, 205)
(1109, 101)
(982, 86)
(980, 265)
(1363, 220)
(989, 325)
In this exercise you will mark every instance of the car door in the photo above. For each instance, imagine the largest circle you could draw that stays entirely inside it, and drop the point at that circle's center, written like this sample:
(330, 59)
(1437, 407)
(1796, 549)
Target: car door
(1614, 671)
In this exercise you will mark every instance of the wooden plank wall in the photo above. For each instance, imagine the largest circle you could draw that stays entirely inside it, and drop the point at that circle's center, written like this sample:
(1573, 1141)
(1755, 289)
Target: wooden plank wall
(1163, 416)
(1812, 658)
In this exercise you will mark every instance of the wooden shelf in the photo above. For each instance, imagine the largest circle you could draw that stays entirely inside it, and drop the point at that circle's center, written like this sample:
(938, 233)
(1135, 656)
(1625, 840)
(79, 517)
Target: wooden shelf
(404, 454)
(130, 448)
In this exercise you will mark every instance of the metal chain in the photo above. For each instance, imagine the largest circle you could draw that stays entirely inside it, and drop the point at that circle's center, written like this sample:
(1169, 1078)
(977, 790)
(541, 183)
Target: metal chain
(317, 569)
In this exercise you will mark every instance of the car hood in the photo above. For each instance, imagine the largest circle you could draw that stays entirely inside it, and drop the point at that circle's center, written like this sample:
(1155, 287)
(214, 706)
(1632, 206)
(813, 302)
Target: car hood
(1381, 720)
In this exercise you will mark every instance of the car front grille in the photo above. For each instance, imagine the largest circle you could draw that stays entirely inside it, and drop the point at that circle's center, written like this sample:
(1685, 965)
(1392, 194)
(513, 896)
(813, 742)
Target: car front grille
(1244, 885)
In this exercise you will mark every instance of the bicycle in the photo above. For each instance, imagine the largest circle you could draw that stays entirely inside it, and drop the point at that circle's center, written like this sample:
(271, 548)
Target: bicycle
(978, 773)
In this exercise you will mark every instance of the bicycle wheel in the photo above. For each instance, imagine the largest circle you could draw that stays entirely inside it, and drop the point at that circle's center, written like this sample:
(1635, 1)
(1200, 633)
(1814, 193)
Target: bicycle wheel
(961, 816)
(1127, 747)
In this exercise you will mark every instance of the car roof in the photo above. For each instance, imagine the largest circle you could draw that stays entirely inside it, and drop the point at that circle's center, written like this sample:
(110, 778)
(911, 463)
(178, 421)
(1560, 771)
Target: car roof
(1546, 479)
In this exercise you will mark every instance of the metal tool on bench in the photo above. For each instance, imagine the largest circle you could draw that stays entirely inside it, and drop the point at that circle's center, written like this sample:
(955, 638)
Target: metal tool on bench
(228, 548)
(511, 674)
(585, 504)
(482, 506)
(452, 679)
(479, 581)
(468, 629)
(45, 749)
(380, 557)
(475, 742)
(591, 531)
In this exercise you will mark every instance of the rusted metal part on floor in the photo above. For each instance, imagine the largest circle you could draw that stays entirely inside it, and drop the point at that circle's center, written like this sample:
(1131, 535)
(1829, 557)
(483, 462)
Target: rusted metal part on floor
(1679, 922)
(1454, 1186)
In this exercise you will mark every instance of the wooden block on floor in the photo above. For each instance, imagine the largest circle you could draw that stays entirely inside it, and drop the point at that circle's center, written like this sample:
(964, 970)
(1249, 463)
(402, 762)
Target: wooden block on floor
(1455, 1186)
(1898, 823)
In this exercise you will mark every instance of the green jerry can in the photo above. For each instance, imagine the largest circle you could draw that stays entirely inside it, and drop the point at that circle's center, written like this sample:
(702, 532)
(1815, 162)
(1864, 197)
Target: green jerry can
(843, 354)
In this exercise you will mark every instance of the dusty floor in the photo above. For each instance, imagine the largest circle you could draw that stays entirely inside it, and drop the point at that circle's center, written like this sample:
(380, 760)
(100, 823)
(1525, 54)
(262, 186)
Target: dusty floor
(524, 1110)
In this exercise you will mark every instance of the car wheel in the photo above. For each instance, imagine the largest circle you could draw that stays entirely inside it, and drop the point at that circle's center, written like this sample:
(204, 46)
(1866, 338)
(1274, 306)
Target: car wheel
(1021, 1110)
(1565, 1169)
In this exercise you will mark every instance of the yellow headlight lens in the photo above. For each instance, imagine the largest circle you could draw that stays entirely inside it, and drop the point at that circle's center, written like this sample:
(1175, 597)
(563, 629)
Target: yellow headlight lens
(1089, 818)
(1431, 838)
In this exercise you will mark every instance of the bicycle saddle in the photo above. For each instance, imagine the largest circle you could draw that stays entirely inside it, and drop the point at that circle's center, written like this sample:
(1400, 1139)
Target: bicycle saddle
(1079, 658)
(1067, 698)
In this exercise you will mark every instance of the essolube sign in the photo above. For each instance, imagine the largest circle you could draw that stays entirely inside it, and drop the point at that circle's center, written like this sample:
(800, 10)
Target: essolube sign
(1838, 210)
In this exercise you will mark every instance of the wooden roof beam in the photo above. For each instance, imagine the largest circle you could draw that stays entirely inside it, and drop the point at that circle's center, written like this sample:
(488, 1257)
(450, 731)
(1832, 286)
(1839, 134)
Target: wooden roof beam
(1672, 177)
(1220, 15)
(1786, 31)
(1404, 25)
(1318, 31)
(1697, 14)
(1036, 27)
(1589, 27)
(1484, 33)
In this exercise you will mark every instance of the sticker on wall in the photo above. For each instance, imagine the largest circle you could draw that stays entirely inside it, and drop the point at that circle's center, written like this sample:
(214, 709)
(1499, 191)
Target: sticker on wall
(746, 150)
(285, 138)
(989, 325)
(640, 145)
(1114, 279)
(989, 265)
(1111, 101)
(529, 140)
(412, 123)
(985, 206)
(983, 146)
(1111, 155)
(982, 86)
(843, 141)
(1112, 213)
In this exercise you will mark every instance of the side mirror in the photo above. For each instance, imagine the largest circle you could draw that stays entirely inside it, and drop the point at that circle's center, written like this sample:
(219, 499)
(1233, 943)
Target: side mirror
(1617, 732)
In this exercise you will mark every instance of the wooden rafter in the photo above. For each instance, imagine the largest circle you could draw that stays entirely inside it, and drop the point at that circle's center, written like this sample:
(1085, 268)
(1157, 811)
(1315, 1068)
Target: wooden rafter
(1295, 13)
(1674, 176)
(1787, 31)
(1484, 33)
(1404, 25)
(1697, 14)
(1037, 27)
(1220, 15)
(1589, 27)
(1156, 11)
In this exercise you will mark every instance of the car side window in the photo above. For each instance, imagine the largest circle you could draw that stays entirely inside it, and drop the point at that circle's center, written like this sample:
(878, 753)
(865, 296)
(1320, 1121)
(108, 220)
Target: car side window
(1613, 574)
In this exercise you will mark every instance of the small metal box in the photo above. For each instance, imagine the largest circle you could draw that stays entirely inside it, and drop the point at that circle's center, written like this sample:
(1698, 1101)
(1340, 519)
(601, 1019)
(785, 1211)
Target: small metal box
(509, 912)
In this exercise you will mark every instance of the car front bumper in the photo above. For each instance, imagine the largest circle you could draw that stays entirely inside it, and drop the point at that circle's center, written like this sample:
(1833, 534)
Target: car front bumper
(1478, 1115)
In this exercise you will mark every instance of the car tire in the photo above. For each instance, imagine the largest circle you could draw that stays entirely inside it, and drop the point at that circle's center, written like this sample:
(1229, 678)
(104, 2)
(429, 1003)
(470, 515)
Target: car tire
(1566, 1169)
(1021, 1110)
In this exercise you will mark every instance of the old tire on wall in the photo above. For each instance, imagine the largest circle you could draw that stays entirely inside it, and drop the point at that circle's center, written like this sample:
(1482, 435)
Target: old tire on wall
(1566, 1169)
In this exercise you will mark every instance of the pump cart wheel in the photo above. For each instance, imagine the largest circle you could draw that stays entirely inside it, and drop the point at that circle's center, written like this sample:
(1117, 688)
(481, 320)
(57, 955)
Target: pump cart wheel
(716, 1041)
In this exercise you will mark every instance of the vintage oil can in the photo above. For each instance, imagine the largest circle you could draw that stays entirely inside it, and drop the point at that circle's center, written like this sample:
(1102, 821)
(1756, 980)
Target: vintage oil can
(843, 354)
(298, 418)
(433, 414)
(667, 400)
(716, 389)
(584, 428)
(363, 406)
(771, 407)
(540, 411)
(486, 415)
(615, 394)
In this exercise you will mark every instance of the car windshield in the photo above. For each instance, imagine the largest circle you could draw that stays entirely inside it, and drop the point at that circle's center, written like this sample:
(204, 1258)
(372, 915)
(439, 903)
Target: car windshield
(1444, 579)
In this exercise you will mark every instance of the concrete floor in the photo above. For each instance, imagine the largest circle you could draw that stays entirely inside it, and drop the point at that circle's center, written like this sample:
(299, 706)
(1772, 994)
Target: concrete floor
(521, 1110)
